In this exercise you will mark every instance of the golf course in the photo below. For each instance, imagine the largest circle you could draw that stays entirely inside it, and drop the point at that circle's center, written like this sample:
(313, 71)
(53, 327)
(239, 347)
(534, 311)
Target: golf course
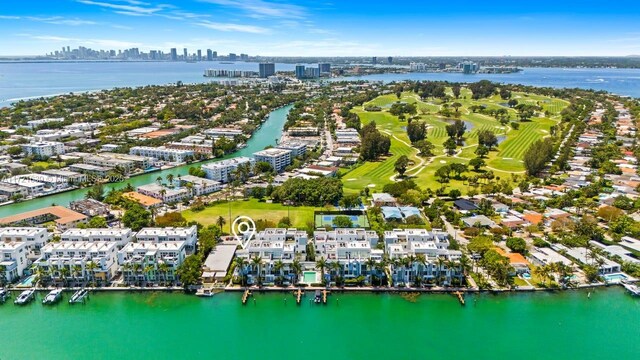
(504, 161)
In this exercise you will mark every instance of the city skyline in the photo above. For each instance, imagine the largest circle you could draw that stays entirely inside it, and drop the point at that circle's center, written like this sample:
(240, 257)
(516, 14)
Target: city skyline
(305, 28)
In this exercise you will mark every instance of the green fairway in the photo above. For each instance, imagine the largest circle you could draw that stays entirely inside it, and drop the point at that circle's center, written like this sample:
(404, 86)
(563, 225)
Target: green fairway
(300, 215)
(504, 161)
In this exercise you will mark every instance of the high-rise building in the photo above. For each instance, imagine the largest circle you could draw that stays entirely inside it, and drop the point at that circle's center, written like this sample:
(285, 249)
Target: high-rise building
(324, 68)
(174, 54)
(267, 69)
(199, 55)
(233, 57)
(390, 60)
(186, 56)
(300, 71)
(209, 55)
(374, 60)
(311, 73)
(215, 54)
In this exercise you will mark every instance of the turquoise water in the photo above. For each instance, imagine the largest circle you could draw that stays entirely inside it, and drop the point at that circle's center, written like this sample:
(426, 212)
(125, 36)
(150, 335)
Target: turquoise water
(270, 130)
(310, 277)
(359, 326)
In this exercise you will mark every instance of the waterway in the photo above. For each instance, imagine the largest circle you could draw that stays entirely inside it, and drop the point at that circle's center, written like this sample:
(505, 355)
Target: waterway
(351, 326)
(269, 132)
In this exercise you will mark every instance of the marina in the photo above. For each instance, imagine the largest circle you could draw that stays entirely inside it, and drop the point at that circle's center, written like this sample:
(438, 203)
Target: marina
(79, 297)
(25, 297)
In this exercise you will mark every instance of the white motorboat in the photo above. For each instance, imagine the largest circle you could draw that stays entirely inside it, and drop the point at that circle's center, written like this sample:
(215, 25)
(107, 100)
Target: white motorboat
(52, 297)
(25, 297)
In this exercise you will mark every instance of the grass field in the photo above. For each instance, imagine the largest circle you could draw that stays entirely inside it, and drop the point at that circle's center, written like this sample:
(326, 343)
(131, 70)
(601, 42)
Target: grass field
(299, 215)
(503, 161)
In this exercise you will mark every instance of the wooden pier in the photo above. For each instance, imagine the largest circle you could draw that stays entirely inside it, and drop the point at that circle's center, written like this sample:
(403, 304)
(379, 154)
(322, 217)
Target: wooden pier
(324, 296)
(245, 296)
(460, 297)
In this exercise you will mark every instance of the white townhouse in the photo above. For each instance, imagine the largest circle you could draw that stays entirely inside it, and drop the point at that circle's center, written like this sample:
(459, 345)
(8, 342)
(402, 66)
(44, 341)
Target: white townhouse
(159, 235)
(147, 261)
(166, 194)
(120, 236)
(200, 186)
(79, 261)
(13, 257)
(352, 249)
(34, 237)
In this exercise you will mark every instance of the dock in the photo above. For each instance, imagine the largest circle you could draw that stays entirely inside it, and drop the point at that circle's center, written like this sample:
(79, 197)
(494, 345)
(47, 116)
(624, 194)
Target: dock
(324, 296)
(245, 296)
(460, 297)
(298, 295)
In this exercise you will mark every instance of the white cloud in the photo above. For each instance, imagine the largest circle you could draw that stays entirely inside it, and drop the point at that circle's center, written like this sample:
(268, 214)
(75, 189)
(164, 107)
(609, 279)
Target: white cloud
(58, 20)
(108, 43)
(9, 17)
(132, 8)
(233, 27)
(263, 9)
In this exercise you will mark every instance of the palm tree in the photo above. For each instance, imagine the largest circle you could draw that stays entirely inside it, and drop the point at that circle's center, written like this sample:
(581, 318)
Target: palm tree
(257, 262)
(91, 267)
(136, 269)
(464, 265)
(77, 271)
(64, 273)
(170, 179)
(159, 180)
(441, 262)
(163, 267)
(395, 264)
(163, 192)
(408, 264)
(370, 264)
(220, 221)
(241, 265)
(3, 275)
(148, 270)
(335, 267)
(125, 269)
(278, 266)
(421, 260)
(296, 267)
(321, 264)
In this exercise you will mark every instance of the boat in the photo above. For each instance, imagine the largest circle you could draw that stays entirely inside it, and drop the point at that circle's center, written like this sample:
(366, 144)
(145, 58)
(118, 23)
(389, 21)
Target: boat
(318, 297)
(4, 294)
(633, 289)
(79, 296)
(52, 297)
(25, 297)
(205, 293)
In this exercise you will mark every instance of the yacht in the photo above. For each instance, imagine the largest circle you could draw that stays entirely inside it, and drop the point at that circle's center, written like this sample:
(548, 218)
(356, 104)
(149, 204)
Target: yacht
(25, 297)
(52, 297)
(318, 298)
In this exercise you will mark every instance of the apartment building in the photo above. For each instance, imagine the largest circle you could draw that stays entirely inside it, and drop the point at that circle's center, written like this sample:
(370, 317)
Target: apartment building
(120, 236)
(149, 261)
(43, 149)
(79, 261)
(222, 171)
(158, 235)
(162, 153)
(278, 158)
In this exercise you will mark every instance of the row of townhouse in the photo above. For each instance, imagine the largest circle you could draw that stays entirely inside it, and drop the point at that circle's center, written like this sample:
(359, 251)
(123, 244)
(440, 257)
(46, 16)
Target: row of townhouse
(96, 254)
(279, 158)
(162, 153)
(354, 250)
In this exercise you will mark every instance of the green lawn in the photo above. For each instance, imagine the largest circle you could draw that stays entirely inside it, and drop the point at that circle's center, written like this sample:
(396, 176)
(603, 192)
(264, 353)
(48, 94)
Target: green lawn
(300, 215)
(503, 161)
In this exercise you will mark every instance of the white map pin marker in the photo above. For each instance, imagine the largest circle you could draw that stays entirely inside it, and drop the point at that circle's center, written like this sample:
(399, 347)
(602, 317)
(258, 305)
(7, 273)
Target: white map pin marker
(243, 229)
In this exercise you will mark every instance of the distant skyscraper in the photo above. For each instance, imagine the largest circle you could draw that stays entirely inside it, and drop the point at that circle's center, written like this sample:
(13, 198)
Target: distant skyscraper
(186, 56)
(174, 54)
(324, 68)
(374, 60)
(300, 71)
(244, 57)
(215, 54)
(199, 55)
(267, 69)
(390, 60)
(233, 56)
(209, 55)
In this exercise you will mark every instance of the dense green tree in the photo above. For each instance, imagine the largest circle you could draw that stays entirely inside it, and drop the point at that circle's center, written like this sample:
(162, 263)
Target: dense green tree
(401, 165)
(136, 217)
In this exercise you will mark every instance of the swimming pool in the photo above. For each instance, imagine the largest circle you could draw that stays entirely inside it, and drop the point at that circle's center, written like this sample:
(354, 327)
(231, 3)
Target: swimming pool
(310, 277)
(27, 282)
(615, 278)
(526, 276)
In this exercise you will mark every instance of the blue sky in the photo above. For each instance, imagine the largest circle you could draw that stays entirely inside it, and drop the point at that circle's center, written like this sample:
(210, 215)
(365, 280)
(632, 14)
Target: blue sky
(325, 27)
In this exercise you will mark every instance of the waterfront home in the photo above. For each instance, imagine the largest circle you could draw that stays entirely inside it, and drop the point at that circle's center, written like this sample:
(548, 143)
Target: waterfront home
(33, 187)
(13, 258)
(63, 217)
(585, 256)
(217, 264)
(151, 262)
(120, 236)
(162, 153)
(90, 207)
(189, 235)
(547, 256)
(625, 255)
(297, 148)
(92, 170)
(78, 261)
(71, 177)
